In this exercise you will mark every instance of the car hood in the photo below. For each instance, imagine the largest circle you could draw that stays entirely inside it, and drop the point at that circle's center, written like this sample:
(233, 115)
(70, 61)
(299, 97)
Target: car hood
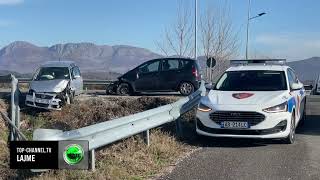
(57, 85)
(249, 98)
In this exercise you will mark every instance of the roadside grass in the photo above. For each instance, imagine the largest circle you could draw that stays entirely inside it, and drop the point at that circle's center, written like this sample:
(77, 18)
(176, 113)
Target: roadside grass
(94, 87)
(130, 159)
(127, 159)
(4, 151)
(22, 86)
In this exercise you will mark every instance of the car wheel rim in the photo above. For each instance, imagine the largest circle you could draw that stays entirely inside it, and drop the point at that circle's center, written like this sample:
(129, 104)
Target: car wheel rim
(186, 88)
(124, 91)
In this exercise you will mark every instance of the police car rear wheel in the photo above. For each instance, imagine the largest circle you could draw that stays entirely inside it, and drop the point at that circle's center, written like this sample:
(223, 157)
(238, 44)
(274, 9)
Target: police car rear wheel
(292, 135)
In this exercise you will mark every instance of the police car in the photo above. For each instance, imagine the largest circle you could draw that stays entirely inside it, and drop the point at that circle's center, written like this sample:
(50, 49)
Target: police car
(253, 99)
(317, 86)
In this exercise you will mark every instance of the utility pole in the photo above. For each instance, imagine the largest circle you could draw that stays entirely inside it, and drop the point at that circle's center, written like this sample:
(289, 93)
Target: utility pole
(248, 22)
(249, 3)
(195, 27)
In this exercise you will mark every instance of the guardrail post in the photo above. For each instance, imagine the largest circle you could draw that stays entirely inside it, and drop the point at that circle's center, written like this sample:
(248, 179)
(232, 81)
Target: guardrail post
(13, 107)
(93, 160)
(178, 127)
(146, 137)
(16, 98)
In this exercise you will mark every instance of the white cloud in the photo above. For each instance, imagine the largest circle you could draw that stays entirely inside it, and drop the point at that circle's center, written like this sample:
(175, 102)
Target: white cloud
(292, 46)
(11, 2)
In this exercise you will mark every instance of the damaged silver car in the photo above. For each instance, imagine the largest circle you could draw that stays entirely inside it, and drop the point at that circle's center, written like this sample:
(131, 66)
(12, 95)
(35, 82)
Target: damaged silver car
(54, 84)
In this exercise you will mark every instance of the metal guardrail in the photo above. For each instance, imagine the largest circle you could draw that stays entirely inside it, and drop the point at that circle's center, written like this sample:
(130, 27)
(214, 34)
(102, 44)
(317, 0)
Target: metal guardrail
(14, 122)
(105, 133)
(85, 81)
(108, 132)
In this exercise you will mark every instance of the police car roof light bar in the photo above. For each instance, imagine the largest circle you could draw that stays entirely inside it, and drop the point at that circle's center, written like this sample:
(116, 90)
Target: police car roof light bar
(258, 61)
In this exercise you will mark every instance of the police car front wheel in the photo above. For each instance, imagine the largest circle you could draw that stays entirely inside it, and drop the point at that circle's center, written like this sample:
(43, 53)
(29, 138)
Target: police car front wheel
(292, 135)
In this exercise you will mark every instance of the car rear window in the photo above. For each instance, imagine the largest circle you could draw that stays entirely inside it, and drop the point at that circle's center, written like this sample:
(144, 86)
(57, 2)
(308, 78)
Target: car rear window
(256, 80)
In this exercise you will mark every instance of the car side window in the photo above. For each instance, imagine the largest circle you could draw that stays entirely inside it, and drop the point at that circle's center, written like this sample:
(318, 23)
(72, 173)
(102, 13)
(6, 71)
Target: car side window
(170, 64)
(290, 78)
(75, 72)
(78, 71)
(293, 75)
(150, 67)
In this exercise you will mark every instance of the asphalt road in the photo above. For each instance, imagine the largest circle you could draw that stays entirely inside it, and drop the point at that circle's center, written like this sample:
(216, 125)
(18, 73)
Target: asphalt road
(255, 159)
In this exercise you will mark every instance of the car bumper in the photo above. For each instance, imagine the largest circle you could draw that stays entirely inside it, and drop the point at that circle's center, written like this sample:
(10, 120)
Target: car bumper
(274, 126)
(50, 104)
(196, 84)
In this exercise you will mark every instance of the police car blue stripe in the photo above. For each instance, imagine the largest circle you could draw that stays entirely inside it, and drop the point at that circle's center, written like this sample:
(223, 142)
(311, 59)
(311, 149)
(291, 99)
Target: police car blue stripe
(291, 104)
(301, 92)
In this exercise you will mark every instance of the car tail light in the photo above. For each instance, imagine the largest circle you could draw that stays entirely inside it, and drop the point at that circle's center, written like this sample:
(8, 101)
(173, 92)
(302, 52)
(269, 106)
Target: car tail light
(195, 72)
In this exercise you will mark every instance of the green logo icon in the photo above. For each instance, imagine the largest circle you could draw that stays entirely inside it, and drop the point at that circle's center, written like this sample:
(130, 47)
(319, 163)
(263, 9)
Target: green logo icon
(73, 154)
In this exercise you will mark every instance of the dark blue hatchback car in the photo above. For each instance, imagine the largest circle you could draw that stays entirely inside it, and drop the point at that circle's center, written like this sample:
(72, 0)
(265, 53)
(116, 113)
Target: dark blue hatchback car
(159, 75)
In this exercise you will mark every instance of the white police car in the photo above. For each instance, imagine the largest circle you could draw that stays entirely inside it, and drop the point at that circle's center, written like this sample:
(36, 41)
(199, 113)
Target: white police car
(317, 86)
(253, 99)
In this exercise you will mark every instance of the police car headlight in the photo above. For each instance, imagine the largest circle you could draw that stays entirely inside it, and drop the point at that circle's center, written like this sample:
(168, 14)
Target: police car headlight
(204, 108)
(278, 108)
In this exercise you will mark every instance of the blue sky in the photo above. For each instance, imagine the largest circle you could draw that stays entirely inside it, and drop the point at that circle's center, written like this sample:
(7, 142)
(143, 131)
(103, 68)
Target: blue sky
(288, 30)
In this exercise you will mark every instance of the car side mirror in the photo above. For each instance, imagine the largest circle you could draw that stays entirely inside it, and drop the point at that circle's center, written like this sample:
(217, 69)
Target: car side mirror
(209, 86)
(296, 86)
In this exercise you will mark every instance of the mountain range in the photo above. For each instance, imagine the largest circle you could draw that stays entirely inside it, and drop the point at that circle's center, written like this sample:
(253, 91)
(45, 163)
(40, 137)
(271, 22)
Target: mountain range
(23, 57)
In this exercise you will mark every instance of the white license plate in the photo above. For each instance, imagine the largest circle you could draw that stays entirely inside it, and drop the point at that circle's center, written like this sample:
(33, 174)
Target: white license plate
(45, 101)
(234, 125)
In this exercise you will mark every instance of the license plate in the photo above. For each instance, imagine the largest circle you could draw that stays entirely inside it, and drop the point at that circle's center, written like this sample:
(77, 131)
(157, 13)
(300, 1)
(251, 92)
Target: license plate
(234, 125)
(45, 101)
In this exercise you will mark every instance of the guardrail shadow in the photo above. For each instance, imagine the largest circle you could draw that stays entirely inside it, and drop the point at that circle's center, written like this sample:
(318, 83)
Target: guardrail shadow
(311, 126)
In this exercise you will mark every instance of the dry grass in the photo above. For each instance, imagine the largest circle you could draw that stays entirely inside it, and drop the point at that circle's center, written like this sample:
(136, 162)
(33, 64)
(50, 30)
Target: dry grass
(92, 111)
(130, 159)
(5, 85)
(127, 159)
(4, 151)
(94, 87)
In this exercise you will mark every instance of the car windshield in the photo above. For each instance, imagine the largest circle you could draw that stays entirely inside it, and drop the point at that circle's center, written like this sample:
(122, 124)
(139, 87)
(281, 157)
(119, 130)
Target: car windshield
(50, 73)
(256, 80)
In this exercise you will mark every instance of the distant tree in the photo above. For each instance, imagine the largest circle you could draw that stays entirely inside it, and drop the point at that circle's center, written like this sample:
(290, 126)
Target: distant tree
(218, 38)
(216, 34)
(177, 38)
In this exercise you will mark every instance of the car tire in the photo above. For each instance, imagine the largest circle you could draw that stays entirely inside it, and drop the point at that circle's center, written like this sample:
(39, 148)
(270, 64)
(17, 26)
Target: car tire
(124, 89)
(292, 135)
(110, 89)
(186, 88)
(304, 116)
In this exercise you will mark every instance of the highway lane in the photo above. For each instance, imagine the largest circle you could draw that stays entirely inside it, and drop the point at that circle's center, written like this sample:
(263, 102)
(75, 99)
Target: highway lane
(257, 159)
